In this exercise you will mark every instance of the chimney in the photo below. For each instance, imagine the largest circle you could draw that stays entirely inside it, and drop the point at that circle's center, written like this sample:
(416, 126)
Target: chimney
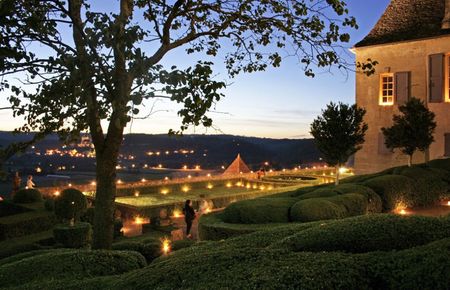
(446, 21)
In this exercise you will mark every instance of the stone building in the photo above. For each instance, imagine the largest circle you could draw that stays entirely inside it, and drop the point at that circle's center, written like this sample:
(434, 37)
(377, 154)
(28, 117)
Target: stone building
(411, 42)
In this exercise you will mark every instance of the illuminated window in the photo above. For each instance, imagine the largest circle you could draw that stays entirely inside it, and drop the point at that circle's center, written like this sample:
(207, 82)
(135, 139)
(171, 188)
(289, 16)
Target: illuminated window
(447, 78)
(386, 89)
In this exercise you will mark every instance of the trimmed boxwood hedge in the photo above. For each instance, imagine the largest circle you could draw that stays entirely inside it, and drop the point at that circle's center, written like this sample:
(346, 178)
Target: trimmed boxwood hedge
(75, 264)
(212, 227)
(25, 224)
(363, 234)
(27, 196)
(149, 250)
(393, 190)
(77, 236)
(315, 209)
(70, 204)
(258, 211)
(440, 163)
(258, 261)
(374, 203)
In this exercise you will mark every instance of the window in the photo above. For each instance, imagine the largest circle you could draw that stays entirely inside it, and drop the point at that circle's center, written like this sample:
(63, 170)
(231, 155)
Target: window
(387, 89)
(447, 78)
(447, 145)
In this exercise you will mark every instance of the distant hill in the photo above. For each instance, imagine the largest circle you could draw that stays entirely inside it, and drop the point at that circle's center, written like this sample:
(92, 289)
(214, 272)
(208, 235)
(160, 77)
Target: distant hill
(209, 151)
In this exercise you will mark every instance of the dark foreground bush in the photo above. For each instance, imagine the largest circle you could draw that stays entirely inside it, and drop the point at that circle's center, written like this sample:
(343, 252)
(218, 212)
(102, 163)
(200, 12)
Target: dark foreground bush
(27, 196)
(76, 236)
(369, 233)
(255, 268)
(74, 265)
(254, 262)
(71, 204)
(258, 211)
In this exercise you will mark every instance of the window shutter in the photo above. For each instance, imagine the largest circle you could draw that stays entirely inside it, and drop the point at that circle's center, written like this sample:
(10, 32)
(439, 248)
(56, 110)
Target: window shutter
(382, 149)
(402, 87)
(447, 145)
(436, 84)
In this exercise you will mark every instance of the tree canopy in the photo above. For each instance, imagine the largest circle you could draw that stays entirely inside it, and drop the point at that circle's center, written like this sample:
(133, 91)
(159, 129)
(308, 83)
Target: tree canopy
(339, 133)
(92, 67)
(413, 130)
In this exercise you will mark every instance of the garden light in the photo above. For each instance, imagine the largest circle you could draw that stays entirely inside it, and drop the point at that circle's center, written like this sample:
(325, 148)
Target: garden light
(165, 246)
(143, 180)
(176, 213)
(138, 220)
(56, 193)
(93, 183)
(209, 186)
(136, 193)
(166, 178)
(185, 188)
(164, 191)
(229, 184)
(118, 181)
(70, 184)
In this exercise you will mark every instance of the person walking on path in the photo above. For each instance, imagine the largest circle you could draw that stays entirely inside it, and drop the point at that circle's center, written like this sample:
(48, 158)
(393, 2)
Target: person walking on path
(189, 216)
(30, 183)
(16, 183)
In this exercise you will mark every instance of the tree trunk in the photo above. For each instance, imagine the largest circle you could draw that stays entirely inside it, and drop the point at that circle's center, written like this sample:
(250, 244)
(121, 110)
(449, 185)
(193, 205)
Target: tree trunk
(337, 175)
(104, 201)
(409, 160)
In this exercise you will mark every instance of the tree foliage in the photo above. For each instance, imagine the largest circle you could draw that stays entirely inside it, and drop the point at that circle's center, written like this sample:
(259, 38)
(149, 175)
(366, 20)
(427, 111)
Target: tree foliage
(339, 133)
(88, 68)
(411, 131)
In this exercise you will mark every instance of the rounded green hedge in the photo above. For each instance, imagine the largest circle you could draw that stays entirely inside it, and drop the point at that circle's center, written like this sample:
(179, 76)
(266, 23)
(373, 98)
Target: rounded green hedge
(394, 190)
(70, 204)
(149, 251)
(27, 196)
(77, 236)
(382, 232)
(49, 204)
(315, 209)
(440, 163)
(259, 211)
(321, 192)
(374, 202)
(73, 265)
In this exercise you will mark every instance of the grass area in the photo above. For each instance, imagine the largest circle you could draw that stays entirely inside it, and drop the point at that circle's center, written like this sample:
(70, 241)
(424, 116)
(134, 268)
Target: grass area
(232, 194)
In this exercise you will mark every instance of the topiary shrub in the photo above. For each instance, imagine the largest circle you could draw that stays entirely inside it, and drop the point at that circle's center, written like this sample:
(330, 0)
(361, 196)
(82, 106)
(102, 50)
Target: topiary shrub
(76, 236)
(258, 211)
(374, 203)
(429, 185)
(70, 204)
(69, 265)
(440, 163)
(321, 192)
(27, 196)
(394, 190)
(368, 233)
(354, 203)
(49, 204)
(315, 209)
(150, 250)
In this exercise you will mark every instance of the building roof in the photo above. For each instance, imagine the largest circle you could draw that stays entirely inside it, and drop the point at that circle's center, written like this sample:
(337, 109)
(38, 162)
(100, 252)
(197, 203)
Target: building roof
(237, 166)
(407, 20)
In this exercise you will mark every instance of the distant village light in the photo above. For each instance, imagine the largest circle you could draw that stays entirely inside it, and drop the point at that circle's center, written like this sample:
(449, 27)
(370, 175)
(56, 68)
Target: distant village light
(93, 183)
(143, 180)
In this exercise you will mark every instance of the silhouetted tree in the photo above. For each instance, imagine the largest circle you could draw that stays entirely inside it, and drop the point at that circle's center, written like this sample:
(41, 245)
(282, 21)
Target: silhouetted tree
(339, 133)
(411, 131)
(95, 67)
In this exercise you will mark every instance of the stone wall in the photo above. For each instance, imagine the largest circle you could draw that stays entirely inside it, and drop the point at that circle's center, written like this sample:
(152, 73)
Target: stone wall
(404, 56)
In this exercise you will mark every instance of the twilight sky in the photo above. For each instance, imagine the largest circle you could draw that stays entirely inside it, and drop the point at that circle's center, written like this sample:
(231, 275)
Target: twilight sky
(277, 103)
